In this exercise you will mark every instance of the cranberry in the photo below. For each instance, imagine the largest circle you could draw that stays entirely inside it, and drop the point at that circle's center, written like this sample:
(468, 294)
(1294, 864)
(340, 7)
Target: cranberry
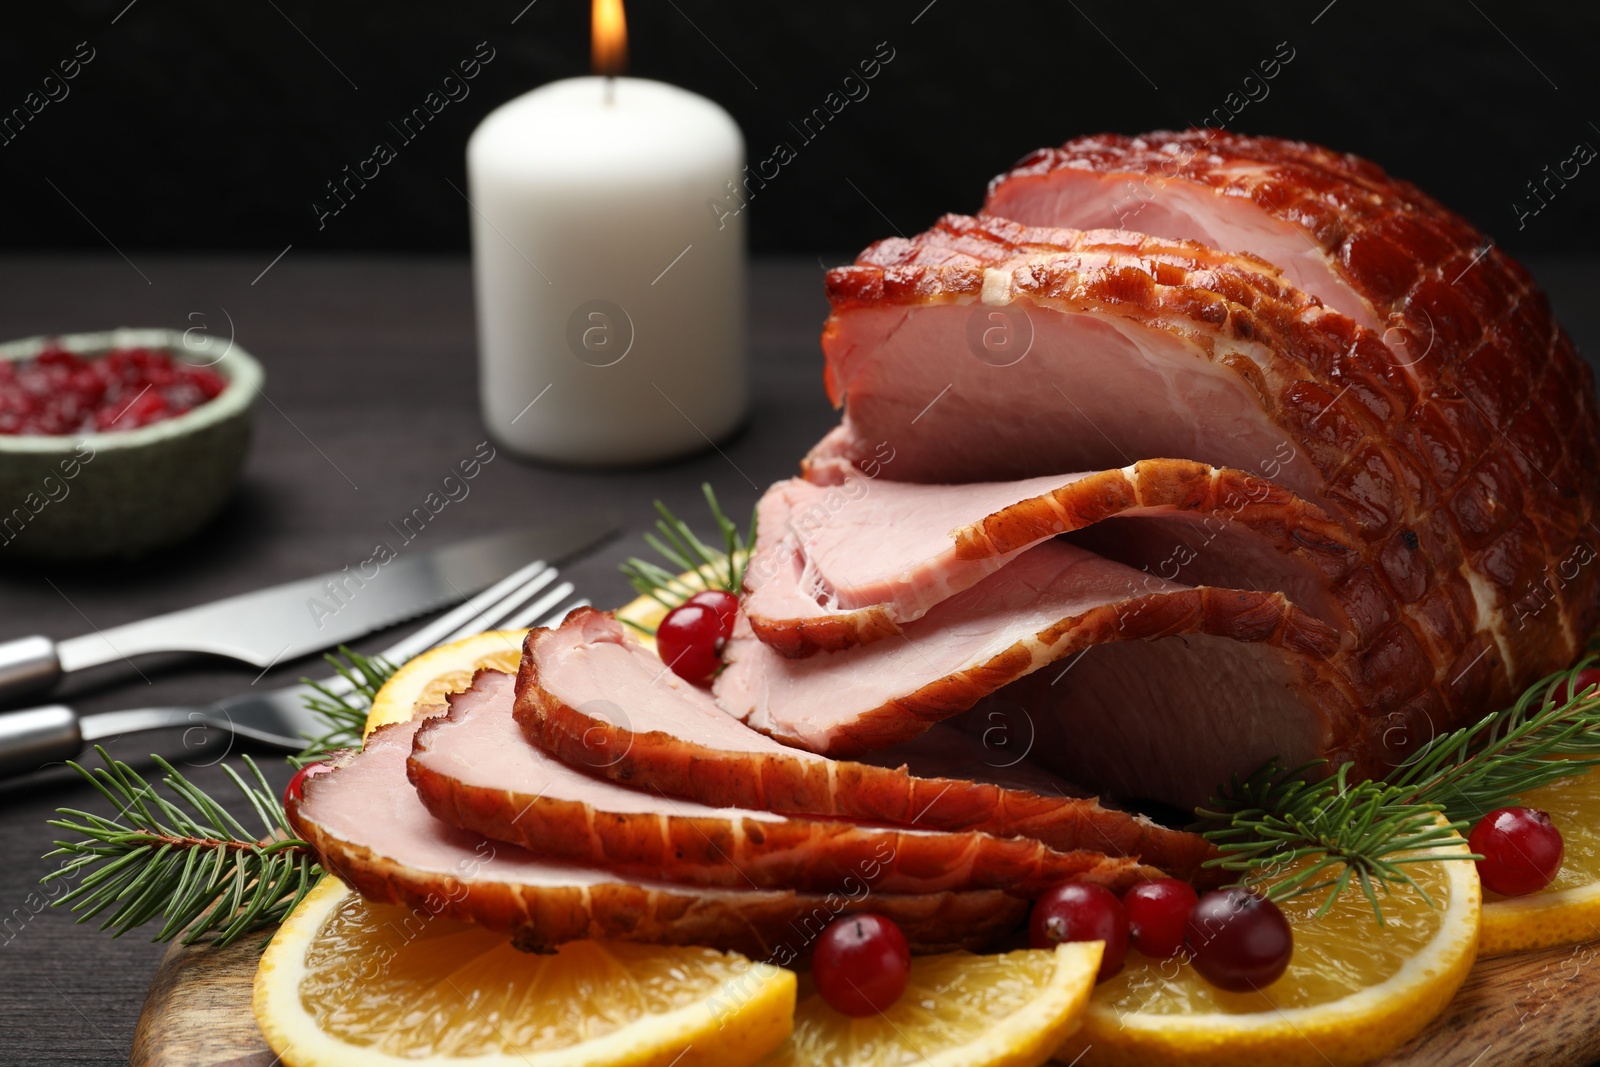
(690, 642)
(1157, 913)
(1238, 940)
(1521, 850)
(1081, 911)
(861, 964)
(724, 603)
(1581, 682)
(144, 407)
(297, 785)
(57, 392)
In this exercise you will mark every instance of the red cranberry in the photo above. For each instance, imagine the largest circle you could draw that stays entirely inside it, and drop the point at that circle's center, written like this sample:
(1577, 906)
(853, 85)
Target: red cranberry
(144, 407)
(57, 392)
(690, 641)
(1581, 682)
(1521, 850)
(1238, 940)
(1157, 914)
(861, 964)
(1081, 911)
(297, 785)
(724, 603)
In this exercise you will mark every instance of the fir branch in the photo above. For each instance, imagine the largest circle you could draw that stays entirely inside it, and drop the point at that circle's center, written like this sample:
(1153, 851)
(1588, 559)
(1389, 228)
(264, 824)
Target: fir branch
(695, 565)
(344, 714)
(1297, 832)
(186, 858)
(1540, 739)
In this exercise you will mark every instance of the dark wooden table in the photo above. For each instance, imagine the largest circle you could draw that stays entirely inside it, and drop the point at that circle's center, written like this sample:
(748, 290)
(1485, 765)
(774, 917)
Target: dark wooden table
(371, 372)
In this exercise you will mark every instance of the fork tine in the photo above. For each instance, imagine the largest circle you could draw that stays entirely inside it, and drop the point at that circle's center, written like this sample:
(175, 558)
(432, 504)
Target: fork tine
(494, 616)
(541, 607)
(444, 628)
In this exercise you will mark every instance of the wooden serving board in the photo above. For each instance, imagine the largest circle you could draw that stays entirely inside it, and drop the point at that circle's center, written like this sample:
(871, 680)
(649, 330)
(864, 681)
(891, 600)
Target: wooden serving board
(1536, 1008)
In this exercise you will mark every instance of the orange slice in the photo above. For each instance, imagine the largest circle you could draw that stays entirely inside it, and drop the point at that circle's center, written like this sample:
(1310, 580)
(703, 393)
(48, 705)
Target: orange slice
(1354, 990)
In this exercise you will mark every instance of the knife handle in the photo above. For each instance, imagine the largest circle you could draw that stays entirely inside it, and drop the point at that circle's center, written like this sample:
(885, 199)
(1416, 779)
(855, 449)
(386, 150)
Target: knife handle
(28, 665)
(32, 738)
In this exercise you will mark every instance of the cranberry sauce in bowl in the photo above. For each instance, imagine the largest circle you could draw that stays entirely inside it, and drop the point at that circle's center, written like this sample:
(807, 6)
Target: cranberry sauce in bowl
(118, 443)
(60, 392)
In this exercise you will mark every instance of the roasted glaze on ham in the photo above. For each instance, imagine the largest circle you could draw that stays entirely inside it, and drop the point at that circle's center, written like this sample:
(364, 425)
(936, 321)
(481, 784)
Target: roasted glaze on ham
(593, 696)
(474, 769)
(1157, 346)
(370, 829)
(1483, 423)
(842, 561)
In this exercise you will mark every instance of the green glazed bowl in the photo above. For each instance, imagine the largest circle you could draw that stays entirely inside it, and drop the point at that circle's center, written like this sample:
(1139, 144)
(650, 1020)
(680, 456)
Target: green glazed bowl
(107, 495)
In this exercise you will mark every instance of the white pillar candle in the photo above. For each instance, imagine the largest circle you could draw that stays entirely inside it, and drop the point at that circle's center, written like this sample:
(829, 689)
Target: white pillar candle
(610, 294)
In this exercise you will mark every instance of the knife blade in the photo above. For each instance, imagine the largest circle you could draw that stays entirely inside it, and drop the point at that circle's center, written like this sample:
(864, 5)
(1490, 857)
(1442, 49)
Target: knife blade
(290, 620)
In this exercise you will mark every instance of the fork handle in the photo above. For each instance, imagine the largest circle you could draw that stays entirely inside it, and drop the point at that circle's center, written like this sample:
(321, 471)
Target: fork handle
(31, 738)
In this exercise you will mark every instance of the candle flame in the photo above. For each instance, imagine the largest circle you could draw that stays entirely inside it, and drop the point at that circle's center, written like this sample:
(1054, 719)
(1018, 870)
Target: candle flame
(609, 40)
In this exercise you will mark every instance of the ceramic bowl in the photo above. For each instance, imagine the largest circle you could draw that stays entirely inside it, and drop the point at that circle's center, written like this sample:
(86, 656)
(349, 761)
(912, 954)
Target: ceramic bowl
(122, 494)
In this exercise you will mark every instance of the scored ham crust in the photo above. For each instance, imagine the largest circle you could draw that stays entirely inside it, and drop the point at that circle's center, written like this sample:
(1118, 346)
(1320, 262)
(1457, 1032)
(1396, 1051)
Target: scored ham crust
(596, 698)
(1237, 365)
(1490, 423)
(840, 561)
(371, 830)
(474, 769)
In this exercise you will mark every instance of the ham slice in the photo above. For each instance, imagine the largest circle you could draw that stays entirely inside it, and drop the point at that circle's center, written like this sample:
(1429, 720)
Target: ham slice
(846, 562)
(1477, 418)
(370, 829)
(597, 699)
(1275, 681)
(1148, 346)
(474, 769)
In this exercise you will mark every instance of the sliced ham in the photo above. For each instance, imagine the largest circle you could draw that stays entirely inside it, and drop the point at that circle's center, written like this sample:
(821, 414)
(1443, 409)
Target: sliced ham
(474, 769)
(849, 560)
(1477, 416)
(597, 699)
(1148, 346)
(370, 829)
(1275, 682)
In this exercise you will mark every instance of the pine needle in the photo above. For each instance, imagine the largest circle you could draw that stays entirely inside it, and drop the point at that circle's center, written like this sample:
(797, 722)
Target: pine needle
(694, 565)
(344, 714)
(183, 856)
(1332, 830)
(180, 856)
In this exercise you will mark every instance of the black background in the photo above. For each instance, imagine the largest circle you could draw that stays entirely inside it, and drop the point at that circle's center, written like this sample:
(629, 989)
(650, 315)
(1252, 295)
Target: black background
(212, 125)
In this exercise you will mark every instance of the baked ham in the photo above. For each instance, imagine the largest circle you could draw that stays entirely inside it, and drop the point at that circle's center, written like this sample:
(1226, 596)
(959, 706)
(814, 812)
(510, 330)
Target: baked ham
(370, 829)
(1470, 521)
(1336, 492)
(847, 561)
(597, 699)
(1484, 413)
(474, 769)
